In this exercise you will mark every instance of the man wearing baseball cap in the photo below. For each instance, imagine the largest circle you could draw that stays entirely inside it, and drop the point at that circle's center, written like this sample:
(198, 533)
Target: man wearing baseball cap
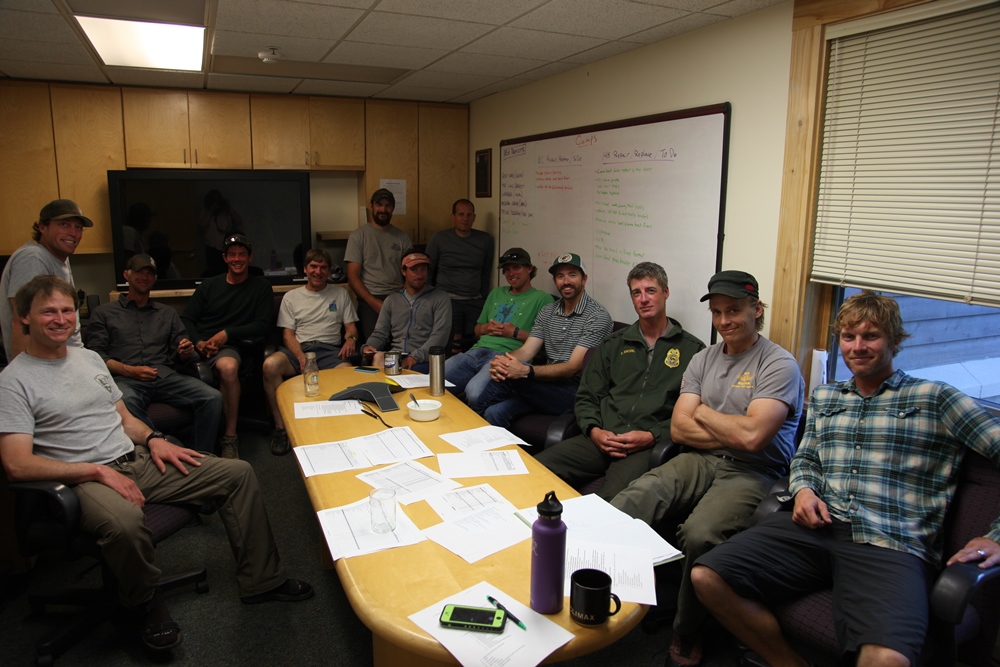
(373, 256)
(504, 324)
(565, 330)
(414, 319)
(55, 237)
(142, 342)
(738, 411)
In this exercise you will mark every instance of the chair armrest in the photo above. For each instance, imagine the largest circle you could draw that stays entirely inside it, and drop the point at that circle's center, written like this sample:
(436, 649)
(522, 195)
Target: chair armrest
(561, 428)
(778, 499)
(46, 513)
(198, 369)
(955, 587)
(663, 451)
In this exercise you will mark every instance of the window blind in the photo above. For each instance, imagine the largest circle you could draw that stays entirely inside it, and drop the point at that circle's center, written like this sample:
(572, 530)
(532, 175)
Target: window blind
(909, 188)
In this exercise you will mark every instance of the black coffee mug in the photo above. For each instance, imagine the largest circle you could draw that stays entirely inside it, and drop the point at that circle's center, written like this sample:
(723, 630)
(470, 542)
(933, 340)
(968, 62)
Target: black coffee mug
(590, 597)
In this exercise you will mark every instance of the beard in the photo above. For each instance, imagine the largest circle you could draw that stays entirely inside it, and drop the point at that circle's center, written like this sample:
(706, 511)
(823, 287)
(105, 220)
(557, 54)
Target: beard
(382, 219)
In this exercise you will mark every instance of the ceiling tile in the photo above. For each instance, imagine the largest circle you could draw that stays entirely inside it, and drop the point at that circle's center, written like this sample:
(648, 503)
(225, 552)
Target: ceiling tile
(382, 55)
(506, 84)
(520, 43)
(297, 19)
(402, 92)
(590, 18)
(484, 63)
(429, 33)
(249, 44)
(257, 84)
(601, 52)
(22, 69)
(48, 28)
(32, 51)
(495, 12)
(339, 88)
(30, 6)
(548, 70)
(448, 80)
(740, 7)
(674, 28)
(131, 76)
(686, 5)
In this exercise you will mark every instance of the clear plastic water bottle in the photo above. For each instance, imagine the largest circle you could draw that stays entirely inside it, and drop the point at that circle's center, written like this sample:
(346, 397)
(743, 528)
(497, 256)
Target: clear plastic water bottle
(310, 375)
(548, 556)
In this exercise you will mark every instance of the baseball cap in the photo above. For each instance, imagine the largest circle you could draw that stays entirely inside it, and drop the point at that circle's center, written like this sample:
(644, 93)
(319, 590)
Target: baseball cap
(735, 284)
(137, 262)
(382, 193)
(60, 209)
(414, 258)
(515, 256)
(237, 239)
(569, 258)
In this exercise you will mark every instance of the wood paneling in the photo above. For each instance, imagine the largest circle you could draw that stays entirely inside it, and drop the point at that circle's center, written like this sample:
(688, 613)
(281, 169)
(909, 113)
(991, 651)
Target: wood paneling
(89, 140)
(280, 130)
(220, 130)
(337, 133)
(28, 178)
(444, 164)
(156, 128)
(391, 152)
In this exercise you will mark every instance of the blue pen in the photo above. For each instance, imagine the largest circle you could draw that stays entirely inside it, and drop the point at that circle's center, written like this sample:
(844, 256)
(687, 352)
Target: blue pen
(511, 616)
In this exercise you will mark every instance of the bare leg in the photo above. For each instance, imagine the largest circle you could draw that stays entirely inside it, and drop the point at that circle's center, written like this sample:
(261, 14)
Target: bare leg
(276, 369)
(751, 622)
(873, 655)
(227, 369)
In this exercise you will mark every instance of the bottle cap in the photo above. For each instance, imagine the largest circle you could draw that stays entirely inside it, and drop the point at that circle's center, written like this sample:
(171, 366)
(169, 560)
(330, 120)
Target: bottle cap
(550, 507)
(310, 355)
(436, 349)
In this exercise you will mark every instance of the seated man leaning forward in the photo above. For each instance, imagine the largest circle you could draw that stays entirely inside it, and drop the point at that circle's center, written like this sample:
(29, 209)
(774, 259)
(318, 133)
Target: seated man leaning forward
(62, 419)
(414, 319)
(564, 330)
(872, 482)
(627, 392)
(504, 324)
(223, 310)
(142, 342)
(310, 319)
(738, 411)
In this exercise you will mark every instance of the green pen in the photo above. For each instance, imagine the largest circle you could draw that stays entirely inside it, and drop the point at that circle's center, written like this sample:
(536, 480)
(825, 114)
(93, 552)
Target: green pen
(511, 616)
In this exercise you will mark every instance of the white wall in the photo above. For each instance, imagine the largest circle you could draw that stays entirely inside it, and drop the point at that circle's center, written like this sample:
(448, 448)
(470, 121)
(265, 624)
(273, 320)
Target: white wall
(744, 61)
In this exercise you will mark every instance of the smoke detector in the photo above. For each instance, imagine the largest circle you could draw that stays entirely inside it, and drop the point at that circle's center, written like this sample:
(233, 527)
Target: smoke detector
(271, 55)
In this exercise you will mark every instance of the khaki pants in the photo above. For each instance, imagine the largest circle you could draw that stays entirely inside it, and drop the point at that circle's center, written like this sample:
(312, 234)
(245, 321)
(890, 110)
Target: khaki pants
(126, 543)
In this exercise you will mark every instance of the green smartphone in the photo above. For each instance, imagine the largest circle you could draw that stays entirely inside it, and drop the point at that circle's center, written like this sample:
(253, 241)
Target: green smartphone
(480, 619)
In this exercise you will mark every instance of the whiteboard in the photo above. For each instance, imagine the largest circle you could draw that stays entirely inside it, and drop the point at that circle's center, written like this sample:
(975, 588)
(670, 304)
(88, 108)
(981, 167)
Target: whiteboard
(644, 189)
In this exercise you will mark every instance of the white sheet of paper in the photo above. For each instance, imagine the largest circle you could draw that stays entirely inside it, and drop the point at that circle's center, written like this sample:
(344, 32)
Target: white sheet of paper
(392, 445)
(482, 464)
(513, 646)
(397, 186)
(395, 444)
(587, 511)
(329, 457)
(307, 410)
(482, 439)
(412, 481)
(455, 504)
(478, 535)
(348, 530)
(631, 568)
(415, 381)
(632, 533)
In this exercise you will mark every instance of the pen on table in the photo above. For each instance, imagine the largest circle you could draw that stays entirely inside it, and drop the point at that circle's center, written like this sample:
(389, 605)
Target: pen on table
(511, 616)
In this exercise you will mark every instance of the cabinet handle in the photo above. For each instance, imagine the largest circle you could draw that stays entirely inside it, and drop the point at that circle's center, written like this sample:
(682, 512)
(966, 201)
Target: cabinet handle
(196, 156)
(316, 161)
(185, 151)
(307, 158)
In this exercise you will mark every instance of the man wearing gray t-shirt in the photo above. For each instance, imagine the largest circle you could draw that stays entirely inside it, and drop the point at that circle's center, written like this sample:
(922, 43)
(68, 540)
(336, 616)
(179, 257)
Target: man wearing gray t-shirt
(738, 411)
(374, 253)
(55, 237)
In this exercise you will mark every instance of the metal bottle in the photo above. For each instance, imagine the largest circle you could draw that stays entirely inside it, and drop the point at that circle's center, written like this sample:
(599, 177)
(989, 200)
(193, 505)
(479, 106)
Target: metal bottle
(435, 363)
(548, 556)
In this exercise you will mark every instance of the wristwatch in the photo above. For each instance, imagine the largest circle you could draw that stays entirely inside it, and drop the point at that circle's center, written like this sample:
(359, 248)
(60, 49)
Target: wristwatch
(531, 372)
(154, 434)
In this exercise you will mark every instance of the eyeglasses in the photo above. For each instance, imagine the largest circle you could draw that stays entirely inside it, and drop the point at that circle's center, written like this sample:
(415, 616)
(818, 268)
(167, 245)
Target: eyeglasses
(512, 259)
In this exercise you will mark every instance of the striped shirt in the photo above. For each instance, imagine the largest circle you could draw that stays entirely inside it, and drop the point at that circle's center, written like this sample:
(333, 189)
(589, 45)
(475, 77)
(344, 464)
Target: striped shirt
(889, 463)
(586, 326)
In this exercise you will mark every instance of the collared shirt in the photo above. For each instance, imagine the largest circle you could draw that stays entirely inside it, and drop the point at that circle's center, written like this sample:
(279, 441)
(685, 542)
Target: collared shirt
(146, 336)
(585, 326)
(889, 463)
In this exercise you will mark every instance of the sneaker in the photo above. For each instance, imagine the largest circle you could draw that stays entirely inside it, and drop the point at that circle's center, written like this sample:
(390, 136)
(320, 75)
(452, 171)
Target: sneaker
(685, 650)
(279, 442)
(229, 447)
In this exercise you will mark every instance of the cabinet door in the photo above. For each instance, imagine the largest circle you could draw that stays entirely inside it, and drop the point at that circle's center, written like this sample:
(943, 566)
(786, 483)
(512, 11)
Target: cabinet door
(27, 160)
(337, 133)
(156, 128)
(87, 123)
(280, 131)
(220, 130)
(391, 152)
(444, 164)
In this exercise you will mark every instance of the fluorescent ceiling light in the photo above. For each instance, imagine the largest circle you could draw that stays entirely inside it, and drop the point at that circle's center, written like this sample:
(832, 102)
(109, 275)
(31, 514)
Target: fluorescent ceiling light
(148, 45)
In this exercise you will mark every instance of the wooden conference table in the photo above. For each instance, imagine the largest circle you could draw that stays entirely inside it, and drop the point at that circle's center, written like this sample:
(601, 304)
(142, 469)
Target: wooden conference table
(386, 587)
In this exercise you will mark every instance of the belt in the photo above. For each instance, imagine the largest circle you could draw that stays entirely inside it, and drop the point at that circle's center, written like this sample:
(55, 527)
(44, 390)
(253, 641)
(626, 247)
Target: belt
(124, 458)
(727, 457)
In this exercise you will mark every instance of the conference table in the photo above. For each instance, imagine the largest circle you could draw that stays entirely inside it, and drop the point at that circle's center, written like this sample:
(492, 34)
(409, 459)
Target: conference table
(386, 587)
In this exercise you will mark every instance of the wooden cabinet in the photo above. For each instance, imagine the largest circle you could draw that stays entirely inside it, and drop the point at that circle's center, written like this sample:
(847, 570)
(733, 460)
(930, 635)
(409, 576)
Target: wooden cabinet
(391, 153)
(307, 132)
(27, 160)
(444, 164)
(87, 124)
(184, 130)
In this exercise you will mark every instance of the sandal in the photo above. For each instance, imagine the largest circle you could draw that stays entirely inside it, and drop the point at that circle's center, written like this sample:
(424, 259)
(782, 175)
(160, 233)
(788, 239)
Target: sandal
(161, 636)
(685, 651)
(293, 590)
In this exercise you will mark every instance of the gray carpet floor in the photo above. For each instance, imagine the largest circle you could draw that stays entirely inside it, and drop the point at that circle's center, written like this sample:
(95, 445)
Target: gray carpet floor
(219, 630)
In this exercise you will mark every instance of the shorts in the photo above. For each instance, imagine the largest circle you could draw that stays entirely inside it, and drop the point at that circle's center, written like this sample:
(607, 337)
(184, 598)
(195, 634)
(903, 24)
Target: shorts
(226, 351)
(327, 355)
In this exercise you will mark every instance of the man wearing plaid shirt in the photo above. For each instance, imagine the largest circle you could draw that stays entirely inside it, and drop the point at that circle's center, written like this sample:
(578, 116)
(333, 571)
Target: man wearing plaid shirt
(872, 481)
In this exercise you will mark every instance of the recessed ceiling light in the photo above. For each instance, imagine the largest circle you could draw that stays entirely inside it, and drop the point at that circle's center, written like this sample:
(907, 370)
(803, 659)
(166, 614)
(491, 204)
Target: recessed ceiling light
(149, 45)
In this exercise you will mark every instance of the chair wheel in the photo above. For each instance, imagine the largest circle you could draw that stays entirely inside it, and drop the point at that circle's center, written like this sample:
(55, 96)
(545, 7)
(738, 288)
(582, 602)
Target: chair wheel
(201, 587)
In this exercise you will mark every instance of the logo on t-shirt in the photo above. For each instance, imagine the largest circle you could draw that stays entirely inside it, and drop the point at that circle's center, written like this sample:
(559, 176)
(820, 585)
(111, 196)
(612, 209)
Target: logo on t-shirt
(104, 381)
(744, 381)
(332, 307)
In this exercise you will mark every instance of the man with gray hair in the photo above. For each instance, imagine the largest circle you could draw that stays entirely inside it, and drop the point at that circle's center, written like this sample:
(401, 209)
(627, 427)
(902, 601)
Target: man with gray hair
(627, 392)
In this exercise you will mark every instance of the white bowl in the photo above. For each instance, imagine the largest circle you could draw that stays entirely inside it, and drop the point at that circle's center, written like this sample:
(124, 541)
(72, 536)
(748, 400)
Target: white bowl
(427, 411)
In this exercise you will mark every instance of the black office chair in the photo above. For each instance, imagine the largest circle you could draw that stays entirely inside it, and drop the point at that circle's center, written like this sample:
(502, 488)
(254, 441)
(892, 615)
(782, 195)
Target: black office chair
(47, 517)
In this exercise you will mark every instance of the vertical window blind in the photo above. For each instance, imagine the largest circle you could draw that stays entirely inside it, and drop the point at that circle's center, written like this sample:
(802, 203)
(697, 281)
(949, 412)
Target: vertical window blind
(909, 186)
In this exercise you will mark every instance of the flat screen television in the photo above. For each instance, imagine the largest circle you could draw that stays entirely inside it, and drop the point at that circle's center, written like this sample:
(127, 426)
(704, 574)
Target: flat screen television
(180, 218)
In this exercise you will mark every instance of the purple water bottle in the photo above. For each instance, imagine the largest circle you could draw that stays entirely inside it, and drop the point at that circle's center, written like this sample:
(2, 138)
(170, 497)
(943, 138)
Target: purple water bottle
(548, 556)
